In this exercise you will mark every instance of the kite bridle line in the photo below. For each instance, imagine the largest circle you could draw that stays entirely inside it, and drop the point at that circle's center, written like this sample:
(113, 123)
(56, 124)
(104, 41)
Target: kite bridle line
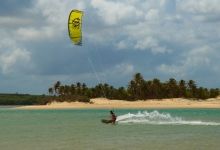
(90, 61)
(100, 64)
(94, 70)
(100, 61)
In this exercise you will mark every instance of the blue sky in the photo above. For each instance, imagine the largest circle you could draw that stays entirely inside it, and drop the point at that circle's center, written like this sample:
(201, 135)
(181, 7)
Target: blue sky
(160, 39)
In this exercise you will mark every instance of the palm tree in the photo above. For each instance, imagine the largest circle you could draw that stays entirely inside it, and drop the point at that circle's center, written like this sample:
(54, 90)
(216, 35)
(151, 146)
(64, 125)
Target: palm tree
(172, 88)
(106, 90)
(202, 93)
(56, 87)
(61, 90)
(66, 90)
(182, 88)
(84, 89)
(78, 88)
(122, 94)
(50, 91)
(145, 90)
(135, 86)
(132, 89)
(112, 92)
(92, 92)
(155, 89)
(192, 88)
(214, 92)
(72, 89)
(99, 90)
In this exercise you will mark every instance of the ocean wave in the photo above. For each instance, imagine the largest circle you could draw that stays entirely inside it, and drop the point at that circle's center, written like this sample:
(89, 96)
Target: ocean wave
(158, 118)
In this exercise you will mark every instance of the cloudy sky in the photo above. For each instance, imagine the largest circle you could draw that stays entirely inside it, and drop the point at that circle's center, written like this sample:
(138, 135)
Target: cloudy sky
(161, 39)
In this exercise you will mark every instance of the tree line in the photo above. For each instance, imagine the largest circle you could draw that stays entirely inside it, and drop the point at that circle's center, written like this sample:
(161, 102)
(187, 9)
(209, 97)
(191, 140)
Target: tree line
(137, 89)
(19, 99)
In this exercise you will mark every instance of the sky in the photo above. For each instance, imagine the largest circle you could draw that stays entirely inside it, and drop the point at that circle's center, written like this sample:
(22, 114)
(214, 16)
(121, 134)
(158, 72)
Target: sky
(161, 39)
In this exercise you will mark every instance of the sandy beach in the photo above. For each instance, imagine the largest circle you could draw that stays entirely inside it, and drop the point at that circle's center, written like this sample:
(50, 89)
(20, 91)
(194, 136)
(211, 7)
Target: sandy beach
(102, 103)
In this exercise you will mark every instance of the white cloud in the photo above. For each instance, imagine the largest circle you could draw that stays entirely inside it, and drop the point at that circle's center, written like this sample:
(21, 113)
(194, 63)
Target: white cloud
(121, 45)
(6, 42)
(115, 13)
(45, 20)
(201, 10)
(15, 62)
(199, 6)
(159, 49)
(196, 61)
(120, 70)
(146, 43)
(153, 15)
(152, 44)
(27, 34)
(14, 21)
(171, 69)
(203, 57)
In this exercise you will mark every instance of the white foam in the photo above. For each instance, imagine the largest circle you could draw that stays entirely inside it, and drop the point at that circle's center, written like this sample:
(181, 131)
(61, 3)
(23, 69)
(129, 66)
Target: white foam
(155, 117)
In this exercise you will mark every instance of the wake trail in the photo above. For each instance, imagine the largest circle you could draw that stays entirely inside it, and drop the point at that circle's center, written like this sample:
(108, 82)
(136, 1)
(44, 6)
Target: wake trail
(157, 118)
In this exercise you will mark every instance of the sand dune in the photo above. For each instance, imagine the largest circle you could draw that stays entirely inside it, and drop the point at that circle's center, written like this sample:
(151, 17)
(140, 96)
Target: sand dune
(114, 104)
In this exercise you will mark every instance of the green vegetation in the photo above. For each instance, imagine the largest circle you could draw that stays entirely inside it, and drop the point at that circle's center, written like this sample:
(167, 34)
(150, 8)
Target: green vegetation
(26, 99)
(137, 89)
(19, 99)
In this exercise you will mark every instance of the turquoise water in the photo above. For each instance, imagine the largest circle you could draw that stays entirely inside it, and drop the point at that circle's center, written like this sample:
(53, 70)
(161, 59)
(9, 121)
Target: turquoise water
(136, 129)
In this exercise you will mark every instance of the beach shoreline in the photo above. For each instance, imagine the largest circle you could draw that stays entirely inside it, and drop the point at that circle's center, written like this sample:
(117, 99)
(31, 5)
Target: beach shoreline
(102, 103)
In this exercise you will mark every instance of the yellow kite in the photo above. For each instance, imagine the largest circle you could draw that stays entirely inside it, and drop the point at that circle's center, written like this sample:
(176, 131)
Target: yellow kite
(75, 26)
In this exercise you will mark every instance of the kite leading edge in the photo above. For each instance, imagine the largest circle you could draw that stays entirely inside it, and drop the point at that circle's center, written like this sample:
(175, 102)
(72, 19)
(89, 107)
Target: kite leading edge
(75, 26)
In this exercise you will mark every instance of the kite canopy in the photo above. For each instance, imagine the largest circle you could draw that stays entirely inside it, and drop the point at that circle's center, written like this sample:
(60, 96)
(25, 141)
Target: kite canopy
(75, 26)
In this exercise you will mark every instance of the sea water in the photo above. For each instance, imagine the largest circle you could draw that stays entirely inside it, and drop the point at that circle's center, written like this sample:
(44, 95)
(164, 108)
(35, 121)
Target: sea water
(136, 129)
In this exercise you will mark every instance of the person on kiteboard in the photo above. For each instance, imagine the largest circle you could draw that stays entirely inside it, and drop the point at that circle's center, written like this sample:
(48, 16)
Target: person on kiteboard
(113, 117)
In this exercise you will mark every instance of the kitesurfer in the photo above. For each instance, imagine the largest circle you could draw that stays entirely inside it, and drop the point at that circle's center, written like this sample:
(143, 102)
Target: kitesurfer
(113, 117)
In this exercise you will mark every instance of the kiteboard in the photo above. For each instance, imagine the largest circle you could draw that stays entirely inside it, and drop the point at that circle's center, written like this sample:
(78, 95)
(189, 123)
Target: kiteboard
(104, 121)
